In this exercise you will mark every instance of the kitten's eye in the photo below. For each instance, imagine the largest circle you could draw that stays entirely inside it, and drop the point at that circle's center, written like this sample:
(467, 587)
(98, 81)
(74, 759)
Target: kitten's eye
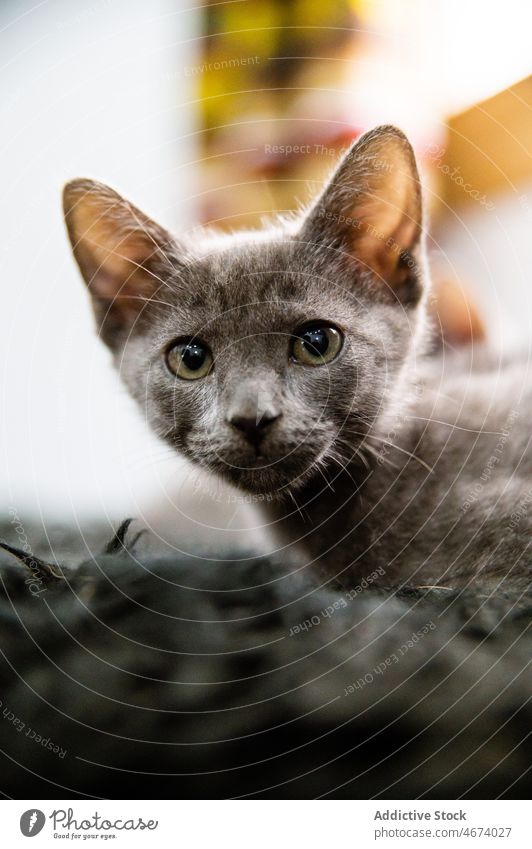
(189, 360)
(316, 345)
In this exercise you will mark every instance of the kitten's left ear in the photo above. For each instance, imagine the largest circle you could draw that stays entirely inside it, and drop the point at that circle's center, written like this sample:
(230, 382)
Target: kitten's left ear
(370, 210)
(122, 254)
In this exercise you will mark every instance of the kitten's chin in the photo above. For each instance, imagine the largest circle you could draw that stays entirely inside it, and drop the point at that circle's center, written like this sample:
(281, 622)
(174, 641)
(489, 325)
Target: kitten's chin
(269, 483)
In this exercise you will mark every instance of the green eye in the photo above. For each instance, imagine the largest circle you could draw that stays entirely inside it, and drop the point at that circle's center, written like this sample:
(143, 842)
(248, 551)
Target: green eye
(189, 360)
(315, 346)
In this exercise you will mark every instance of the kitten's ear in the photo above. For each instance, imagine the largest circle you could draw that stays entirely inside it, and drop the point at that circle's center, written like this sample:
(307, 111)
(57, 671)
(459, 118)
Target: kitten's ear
(371, 210)
(122, 254)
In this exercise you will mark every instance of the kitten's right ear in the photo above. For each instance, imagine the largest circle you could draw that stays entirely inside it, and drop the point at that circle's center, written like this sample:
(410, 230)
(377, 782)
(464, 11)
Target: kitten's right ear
(122, 254)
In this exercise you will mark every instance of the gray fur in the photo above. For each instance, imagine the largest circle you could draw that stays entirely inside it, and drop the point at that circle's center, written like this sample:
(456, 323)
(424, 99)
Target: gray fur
(387, 457)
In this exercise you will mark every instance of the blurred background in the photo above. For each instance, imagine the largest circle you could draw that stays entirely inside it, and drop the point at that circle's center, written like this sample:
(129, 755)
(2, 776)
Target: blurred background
(221, 113)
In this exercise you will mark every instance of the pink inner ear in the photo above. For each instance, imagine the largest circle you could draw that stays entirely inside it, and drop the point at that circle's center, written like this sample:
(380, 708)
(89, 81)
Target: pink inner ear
(114, 248)
(381, 249)
(117, 269)
(125, 264)
(387, 221)
(122, 254)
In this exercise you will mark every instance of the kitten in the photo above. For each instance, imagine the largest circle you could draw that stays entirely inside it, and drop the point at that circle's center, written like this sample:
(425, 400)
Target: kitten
(292, 362)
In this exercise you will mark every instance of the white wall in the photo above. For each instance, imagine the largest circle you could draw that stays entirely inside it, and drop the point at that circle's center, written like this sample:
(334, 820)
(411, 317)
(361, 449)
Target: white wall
(490, 252)
(94, 89)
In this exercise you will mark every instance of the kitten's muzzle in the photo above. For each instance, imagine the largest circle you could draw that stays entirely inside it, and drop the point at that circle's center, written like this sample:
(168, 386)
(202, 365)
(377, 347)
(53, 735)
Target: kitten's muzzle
(254, 428)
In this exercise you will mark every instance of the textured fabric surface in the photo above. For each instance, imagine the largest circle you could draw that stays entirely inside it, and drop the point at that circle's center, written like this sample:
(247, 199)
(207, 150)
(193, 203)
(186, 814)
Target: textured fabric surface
(181, 677)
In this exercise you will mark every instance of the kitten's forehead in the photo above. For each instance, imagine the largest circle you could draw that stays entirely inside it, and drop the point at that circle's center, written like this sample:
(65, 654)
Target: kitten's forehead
(255, 286)
(256, 270)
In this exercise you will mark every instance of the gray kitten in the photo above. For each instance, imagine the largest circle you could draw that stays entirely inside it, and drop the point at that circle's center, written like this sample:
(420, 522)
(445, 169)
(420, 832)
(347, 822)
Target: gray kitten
(292, 361)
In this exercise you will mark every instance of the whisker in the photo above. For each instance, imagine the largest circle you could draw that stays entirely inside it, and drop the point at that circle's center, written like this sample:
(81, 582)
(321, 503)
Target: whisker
(324, 476)
(398, 448)
(458, 427)
(378, 456)
(292, 496)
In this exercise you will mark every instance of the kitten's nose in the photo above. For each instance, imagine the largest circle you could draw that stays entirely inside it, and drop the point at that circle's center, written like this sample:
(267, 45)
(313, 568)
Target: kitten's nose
(254, 427)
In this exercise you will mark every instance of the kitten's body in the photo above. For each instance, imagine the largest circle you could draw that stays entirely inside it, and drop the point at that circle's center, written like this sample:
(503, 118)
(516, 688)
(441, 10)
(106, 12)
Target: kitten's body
(375, 457)
(449, 496)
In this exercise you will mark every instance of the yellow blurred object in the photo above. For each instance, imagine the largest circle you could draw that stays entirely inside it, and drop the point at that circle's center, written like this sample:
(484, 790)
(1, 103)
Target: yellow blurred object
(488, 149)
(271, 103)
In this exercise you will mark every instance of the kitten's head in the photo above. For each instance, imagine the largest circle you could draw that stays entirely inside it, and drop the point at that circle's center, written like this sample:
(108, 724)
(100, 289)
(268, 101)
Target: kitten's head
(263, 356)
